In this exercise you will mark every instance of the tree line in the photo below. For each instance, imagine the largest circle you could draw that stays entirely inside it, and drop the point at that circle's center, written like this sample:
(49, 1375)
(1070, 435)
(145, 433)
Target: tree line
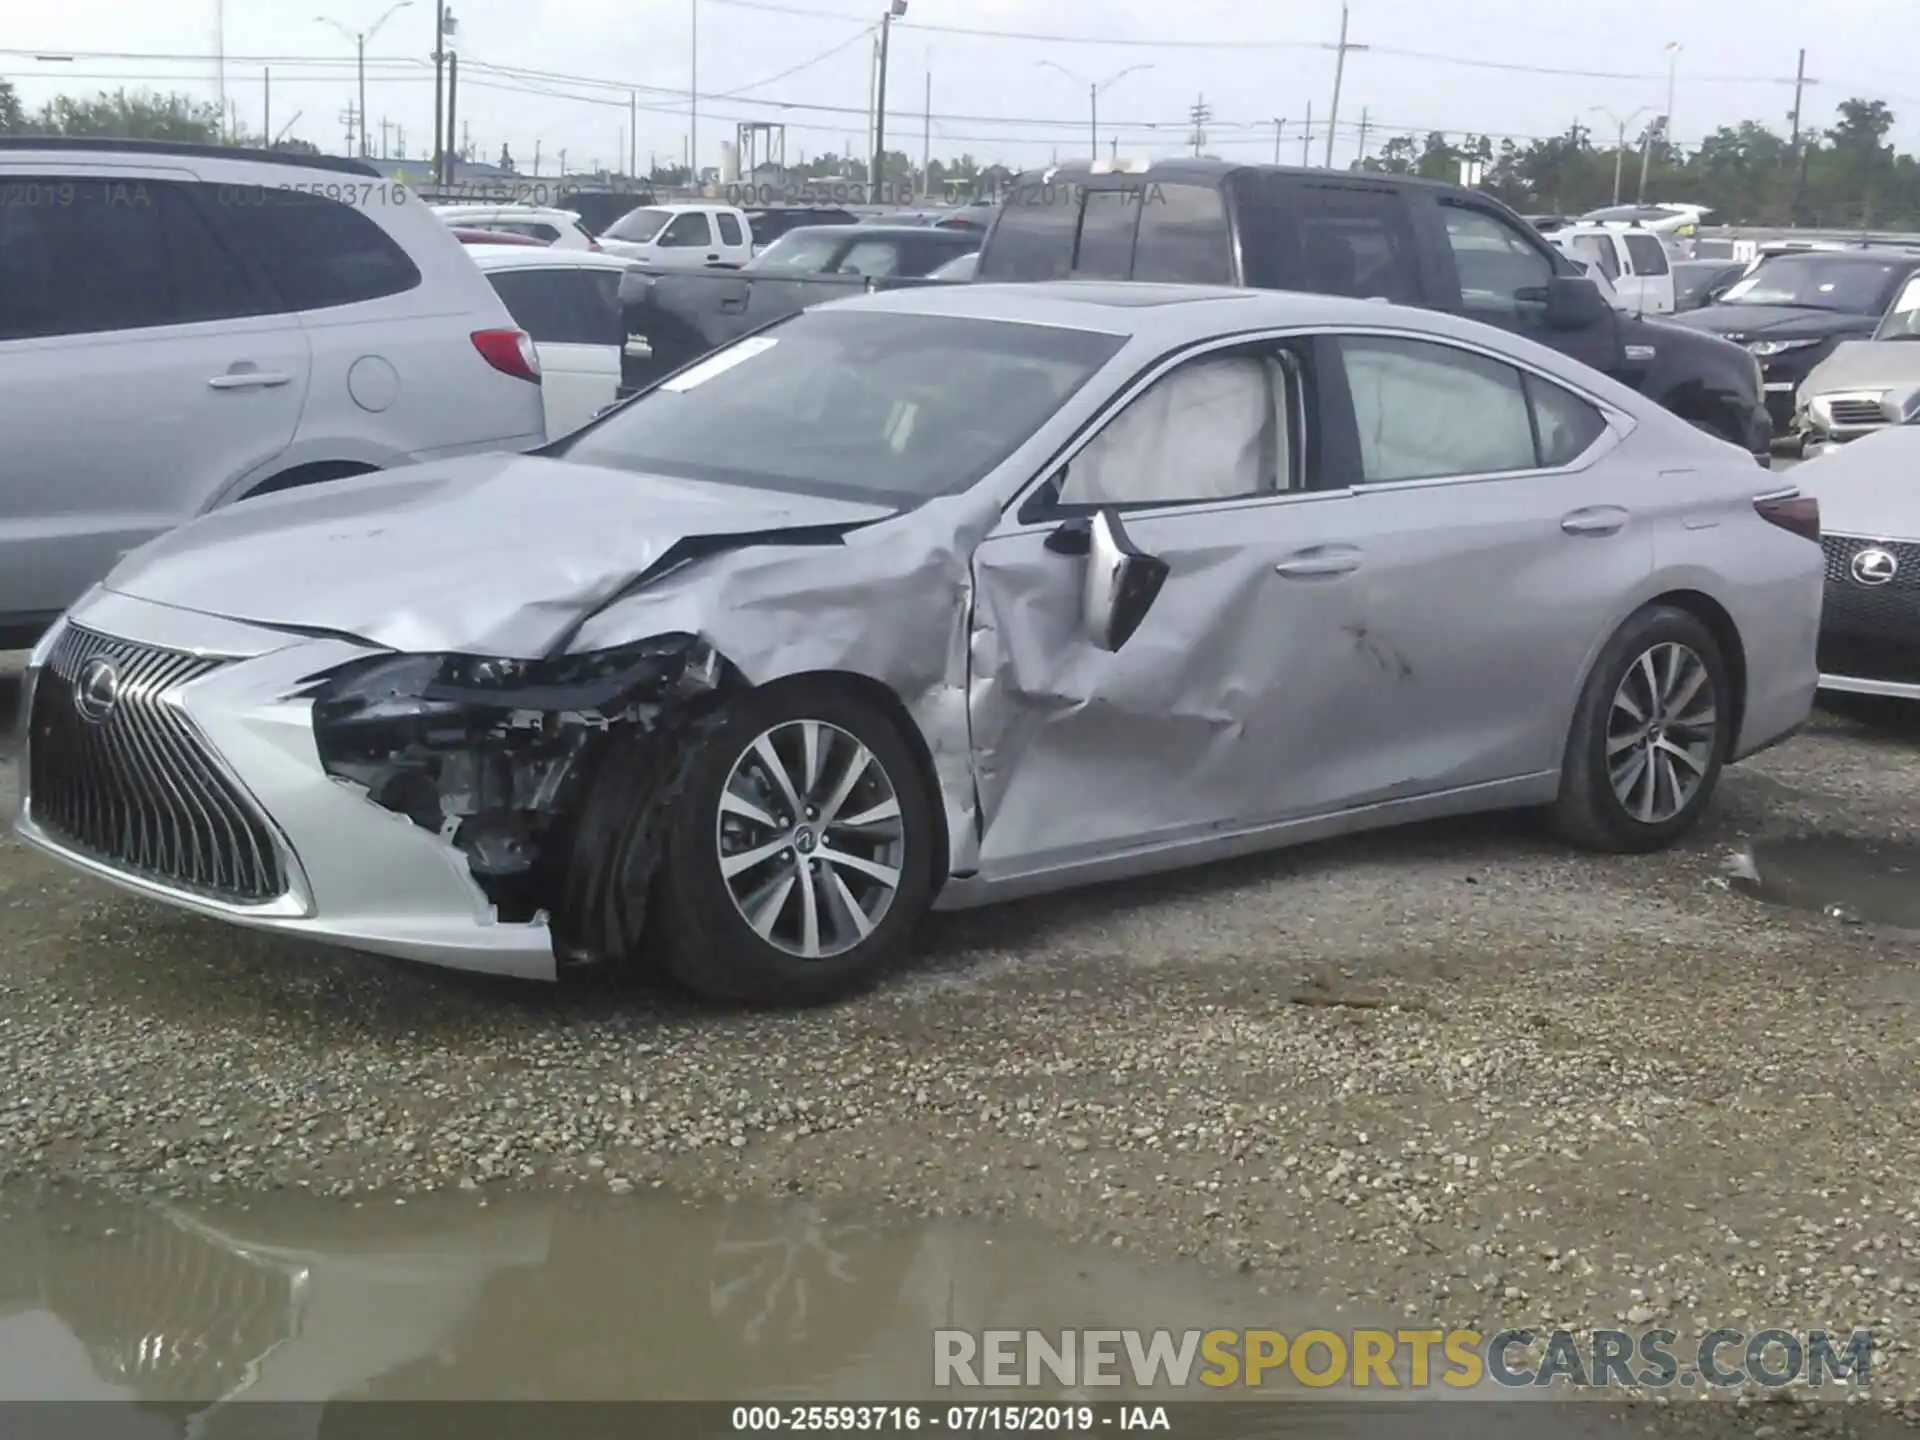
(1846, 176)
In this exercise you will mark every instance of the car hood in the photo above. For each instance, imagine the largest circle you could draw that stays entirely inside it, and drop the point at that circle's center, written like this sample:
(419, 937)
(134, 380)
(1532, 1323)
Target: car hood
(1775, 322)
(1869, 487)
(1866, 365)
(489, 554)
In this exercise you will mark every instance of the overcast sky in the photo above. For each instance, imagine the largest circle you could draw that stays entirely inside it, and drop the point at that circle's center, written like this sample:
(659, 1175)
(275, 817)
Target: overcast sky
(993, 97)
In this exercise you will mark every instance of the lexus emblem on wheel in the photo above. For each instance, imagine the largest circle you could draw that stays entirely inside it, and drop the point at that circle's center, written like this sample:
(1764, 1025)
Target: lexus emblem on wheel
(1874, 566)
(97, 690)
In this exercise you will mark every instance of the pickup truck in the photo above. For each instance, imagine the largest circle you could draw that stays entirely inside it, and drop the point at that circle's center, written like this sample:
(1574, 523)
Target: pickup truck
(677, 316)
(1408, 241)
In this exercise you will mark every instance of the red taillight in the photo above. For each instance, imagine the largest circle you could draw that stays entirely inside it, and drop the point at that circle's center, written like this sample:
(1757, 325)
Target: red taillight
(510, 352)
(1799, 514)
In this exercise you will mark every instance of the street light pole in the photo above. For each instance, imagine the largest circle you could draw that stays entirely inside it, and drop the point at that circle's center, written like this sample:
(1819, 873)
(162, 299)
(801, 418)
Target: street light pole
(359, 40)
(1095, 88)
(1620, 148)
(1665, 122)
(895, 9)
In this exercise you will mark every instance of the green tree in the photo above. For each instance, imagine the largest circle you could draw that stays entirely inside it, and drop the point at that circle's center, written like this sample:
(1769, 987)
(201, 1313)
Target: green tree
(12, 117)
(129, 115)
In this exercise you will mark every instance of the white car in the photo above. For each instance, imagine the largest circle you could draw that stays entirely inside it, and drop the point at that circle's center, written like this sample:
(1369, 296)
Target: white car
(559, 228)
(683, 237)
(1632, 260)
(569, 302)
(251, 322)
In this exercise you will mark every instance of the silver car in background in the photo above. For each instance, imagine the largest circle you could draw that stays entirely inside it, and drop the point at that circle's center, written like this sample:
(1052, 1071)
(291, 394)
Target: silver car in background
(931, 597)
(1866, 385)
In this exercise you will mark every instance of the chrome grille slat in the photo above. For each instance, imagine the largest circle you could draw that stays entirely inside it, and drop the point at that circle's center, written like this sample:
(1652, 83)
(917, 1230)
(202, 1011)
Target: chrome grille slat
(1856, 412)
(138, 789)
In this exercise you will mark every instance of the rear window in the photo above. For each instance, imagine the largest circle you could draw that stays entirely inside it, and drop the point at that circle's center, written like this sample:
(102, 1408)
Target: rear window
(1183, 236)
(563, 306)
(1033, 238)
(1648, 254)
(317, 253)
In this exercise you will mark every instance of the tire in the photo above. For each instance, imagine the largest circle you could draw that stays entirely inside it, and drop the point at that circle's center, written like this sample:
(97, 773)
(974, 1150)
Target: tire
(1590, 811)
(703, 938)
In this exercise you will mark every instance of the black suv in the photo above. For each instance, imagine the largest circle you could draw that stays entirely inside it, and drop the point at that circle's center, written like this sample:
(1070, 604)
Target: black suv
(1413, 242)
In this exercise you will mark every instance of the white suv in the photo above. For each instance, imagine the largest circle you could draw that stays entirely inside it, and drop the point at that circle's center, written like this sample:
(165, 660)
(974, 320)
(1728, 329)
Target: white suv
(182, 326)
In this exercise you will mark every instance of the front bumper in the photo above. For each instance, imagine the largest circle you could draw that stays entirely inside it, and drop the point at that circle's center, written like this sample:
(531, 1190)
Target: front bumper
(1870, 634)
(352, 874)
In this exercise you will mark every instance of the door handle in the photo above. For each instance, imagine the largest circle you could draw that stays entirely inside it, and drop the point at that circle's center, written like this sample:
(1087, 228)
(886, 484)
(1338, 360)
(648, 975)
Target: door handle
(1322, 562)
(1597, 520)
(732, 304)
(713, 259)
(248, 380)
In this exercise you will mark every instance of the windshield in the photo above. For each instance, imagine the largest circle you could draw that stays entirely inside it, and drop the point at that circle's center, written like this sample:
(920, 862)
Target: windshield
(639, 226)
(1817, 282)
(1902, 320)
(854, 405)
(807, 252)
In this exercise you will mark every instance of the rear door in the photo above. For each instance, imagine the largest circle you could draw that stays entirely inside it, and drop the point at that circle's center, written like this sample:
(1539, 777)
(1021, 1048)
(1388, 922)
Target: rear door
(144, 368)
(735, 237)
(575, 322)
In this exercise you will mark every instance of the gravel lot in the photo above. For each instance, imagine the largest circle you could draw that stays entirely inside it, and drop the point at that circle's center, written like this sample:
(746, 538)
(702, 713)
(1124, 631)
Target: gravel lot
(1455, 1068)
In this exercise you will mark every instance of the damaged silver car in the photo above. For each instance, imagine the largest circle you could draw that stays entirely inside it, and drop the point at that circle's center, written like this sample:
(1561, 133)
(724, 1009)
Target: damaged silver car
(929, 598)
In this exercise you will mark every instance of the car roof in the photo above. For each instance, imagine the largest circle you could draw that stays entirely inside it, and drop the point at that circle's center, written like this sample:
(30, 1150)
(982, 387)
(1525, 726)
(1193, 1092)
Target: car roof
(1866, 254)
(184, 150)
(543, 257)
(854, 234)
(516, 212)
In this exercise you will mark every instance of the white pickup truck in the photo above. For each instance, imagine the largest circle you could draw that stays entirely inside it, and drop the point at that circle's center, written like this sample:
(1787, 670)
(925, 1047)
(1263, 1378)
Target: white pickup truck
(682, 237)
(1633, 260)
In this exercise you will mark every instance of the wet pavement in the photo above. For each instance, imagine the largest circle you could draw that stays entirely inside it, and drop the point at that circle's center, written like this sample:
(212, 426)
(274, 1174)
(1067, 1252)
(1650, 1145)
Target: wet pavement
(1844, 878)
(583, 1296)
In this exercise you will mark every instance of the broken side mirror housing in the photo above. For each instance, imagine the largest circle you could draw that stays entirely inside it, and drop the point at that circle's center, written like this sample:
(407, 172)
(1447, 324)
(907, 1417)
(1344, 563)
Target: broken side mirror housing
(1120, 583)
(1902, 407)
(1574, 302)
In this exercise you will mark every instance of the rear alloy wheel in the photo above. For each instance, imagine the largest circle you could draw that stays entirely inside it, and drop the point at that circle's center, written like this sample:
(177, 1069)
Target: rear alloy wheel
(798, 863)
(1649, 737)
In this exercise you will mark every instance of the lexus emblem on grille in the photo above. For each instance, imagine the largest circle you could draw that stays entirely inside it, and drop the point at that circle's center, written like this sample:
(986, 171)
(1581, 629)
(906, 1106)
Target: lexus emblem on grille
(1872, 566)
(97, 691)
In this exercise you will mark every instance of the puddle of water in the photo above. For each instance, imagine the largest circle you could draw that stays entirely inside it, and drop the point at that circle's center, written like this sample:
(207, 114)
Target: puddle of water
(1853, 882)
(577, 1297)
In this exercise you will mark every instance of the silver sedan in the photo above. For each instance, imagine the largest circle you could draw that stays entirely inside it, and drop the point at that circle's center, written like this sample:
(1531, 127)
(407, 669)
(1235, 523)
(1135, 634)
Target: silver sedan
(930, 598)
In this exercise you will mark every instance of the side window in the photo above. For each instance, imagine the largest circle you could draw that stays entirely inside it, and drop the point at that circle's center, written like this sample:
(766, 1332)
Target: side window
(1335, 239)
(871, 258)
(606, 318)
(1107, 222)
(1033, 238)
(555, 307)
(688, 231)
(1566, 425)
(1502, 276)
(1425, 410)
(1183, 236)
(730, 230)
(1598, 251)
(1649, 256)
(89, 256)
(316, 252)
(1216, 428)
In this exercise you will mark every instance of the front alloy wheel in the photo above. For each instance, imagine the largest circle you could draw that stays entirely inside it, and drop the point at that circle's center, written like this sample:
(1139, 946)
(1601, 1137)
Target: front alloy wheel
(810, 839)
(800, 852)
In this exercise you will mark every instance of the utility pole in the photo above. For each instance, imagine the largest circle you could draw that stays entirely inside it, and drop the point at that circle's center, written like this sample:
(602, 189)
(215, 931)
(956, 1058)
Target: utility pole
(926, 141)
(1279, 128)
(1362, 161)
(220, 55)
(466, 140)
(349, 117)
(536, 159)
(386, 128)
(693, 98)
(1339, 74)
(1800, 146)
(895, 9)
(266, 109)
(563, 164)
(1306, 139)
(633, 134)
(453, 108)
(399, 141)
(1200, 112)
(439, 91)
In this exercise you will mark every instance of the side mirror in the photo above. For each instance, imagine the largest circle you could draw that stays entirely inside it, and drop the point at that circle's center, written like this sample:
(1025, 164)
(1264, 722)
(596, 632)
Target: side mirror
(1903, 406)
(1574, 302)
(1121, 583)
(637, 348)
